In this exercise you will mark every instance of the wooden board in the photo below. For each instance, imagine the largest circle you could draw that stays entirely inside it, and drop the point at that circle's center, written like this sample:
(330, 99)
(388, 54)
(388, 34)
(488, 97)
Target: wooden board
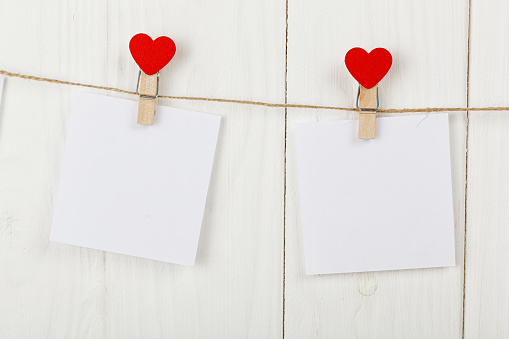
(236, 50)
(60, 291)
(423, 303)
(487, 232)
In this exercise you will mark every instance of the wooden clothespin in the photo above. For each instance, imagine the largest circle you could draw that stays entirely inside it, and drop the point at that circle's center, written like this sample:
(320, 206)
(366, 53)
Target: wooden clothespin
(148, 89)
(151, 56)
(368, 69)
(367, 103)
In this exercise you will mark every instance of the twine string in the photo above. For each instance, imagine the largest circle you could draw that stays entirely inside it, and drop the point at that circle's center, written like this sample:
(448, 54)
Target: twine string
(257, 103)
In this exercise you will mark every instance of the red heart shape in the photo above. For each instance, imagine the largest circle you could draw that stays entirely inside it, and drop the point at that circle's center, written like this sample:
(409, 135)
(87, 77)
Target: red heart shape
(151, 55)
(368, 68)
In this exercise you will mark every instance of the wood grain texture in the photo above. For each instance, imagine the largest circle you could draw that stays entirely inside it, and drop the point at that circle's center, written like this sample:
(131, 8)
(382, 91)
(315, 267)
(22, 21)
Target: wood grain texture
(367, 124)
(423, 303)
(487, 250)
(236, 50)
(225, 49)
(146, 111)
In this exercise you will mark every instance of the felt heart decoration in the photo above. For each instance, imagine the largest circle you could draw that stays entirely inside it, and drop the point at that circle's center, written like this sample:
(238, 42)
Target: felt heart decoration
(151, 55)
(368, 68)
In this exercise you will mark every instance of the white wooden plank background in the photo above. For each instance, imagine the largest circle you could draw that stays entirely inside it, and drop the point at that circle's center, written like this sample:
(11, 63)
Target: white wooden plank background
(224, 50)
(249, 278)
(487, 254)
(428, 42)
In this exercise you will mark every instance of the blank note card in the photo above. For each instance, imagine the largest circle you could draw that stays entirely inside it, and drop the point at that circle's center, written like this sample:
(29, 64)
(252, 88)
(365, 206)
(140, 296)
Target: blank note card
(372, 205)
(133, 189)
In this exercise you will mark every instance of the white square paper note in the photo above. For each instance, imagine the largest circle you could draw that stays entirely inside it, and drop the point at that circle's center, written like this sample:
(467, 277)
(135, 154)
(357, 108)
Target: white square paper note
(132, 189)
(372, 205)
